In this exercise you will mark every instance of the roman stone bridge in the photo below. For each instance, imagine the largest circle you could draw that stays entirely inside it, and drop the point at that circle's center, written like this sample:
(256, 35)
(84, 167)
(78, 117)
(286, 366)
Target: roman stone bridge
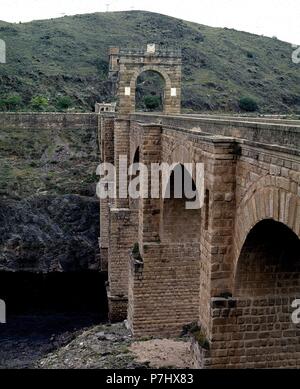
(233, 266)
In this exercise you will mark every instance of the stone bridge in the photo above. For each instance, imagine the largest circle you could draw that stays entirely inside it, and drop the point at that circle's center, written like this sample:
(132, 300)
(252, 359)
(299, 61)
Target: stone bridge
(233, 266)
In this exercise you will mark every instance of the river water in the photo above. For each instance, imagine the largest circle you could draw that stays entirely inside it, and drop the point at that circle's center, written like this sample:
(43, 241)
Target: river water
(46, 312)
(28, 338)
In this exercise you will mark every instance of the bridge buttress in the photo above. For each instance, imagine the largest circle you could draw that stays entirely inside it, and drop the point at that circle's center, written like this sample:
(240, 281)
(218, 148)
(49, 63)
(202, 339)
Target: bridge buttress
(164, 279)
(217, 227)
(122, 228)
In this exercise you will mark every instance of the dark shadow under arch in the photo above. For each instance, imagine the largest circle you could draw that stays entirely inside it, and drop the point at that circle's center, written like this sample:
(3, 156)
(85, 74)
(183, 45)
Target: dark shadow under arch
(134, 203)
(179, 224)
(136, 157)
(269, 263)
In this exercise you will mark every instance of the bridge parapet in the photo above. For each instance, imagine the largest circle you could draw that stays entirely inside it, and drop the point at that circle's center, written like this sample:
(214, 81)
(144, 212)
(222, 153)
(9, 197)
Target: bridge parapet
(281, 133)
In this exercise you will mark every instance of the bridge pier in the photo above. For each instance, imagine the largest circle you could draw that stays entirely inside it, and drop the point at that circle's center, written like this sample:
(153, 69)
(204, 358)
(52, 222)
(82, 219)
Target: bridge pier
(123, 233)
(164, 277)
(122, 227)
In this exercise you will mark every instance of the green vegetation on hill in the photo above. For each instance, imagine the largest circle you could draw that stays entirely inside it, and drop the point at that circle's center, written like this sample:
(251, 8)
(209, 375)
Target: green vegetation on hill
(55, 162)
(65, 60)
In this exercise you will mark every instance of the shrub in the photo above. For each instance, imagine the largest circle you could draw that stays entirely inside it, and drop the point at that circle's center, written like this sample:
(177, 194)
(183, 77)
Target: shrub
(2, 104)
(152, 102)
(11, 102)
(39, 103)
(196, 332)
(248, 104)
(64, 102)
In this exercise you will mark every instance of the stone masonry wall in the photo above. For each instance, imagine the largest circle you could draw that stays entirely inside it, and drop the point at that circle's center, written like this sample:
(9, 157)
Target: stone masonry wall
(165, 289)
(122, 236)
(254, 333)
(180, 224)
(49, 120)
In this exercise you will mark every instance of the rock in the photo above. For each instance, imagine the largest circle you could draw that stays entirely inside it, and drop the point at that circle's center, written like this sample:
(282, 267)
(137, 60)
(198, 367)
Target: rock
(105, 354)
(49, 233)
(111, 337)
(111, 354)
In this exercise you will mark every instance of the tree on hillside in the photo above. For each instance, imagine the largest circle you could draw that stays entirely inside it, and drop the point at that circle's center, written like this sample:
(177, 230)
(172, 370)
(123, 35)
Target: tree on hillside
(10, 103)
(248, 104)
(64, 102)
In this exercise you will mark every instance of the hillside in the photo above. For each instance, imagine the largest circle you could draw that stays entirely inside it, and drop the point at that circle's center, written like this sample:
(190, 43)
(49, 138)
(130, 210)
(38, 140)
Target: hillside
(68, 57)
(49, 214)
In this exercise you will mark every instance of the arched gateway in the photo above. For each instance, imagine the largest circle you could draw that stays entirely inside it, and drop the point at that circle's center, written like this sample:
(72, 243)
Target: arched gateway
(126, 65)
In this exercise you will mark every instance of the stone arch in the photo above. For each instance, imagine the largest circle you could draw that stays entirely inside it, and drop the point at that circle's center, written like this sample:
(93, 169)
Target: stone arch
(266, 285)
(180, 154)
(147, 68)
(183, 153)
(269, 262)
(269, 181)
(127, 64)
(265, 203)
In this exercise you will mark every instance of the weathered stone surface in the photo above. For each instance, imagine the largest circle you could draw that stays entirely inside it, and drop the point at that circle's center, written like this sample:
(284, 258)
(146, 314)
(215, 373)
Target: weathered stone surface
(49, 233)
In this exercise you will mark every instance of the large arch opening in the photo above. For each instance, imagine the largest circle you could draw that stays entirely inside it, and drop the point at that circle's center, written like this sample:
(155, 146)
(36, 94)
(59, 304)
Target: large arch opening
(260, 321)
(150, 92)
(180, 224)
(269, 263)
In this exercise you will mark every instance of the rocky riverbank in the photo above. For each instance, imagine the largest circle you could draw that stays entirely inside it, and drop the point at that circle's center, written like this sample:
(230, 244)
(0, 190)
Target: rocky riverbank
(112, 347)
(26, 339)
